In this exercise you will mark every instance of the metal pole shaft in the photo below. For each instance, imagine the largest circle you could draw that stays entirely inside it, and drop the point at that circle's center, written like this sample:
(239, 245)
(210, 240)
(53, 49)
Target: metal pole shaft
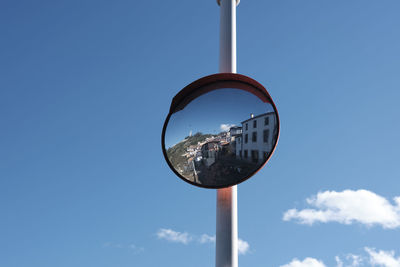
(227, 230)
(227, 37)
(227, 234)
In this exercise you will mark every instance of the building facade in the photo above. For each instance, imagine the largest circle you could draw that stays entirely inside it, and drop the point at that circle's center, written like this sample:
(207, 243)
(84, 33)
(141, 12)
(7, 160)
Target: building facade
(209, 152)
(258, 136)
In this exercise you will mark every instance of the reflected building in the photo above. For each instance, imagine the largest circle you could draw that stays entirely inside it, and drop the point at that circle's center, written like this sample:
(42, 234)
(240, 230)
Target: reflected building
(258, 137)
(235, 131)
(209, 152)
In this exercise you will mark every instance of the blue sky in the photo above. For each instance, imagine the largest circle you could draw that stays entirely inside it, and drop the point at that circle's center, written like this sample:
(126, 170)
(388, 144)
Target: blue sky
(85, 87)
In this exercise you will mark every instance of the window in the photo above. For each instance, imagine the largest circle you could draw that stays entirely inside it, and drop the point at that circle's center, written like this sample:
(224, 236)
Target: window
(254, 155)
(266, 121)
(240, 153)
(247, 126)
(254, 137)
(246, 138)
(265, 155)
(266, 135)
(255, 124)
(245, 154)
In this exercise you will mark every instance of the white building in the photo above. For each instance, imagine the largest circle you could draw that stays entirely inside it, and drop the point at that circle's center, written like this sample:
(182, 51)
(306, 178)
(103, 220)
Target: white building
(258, 137)
(234, 132)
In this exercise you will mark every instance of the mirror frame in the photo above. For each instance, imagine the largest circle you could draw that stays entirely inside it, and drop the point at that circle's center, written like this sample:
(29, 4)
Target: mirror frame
(208, 84)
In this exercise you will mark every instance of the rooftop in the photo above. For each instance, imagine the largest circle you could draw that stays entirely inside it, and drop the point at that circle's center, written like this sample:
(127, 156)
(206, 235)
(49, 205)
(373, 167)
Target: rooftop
(258, 116)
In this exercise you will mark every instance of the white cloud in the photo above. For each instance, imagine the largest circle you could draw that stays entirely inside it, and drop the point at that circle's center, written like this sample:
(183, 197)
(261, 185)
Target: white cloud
(382, 258)
(186, 238)
(339, 262)
(350, 260)
(204, 238)
(348, 207)
(356, 260)
(226, 127)
(307, 262)
(174, 236)
(243, 247)
(373, 258)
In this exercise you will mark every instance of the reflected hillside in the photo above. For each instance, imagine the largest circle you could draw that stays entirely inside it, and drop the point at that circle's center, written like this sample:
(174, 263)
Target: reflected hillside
(179, 154)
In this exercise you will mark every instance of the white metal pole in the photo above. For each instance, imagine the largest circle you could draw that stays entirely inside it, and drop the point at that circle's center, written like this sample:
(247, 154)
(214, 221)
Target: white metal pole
(227, 37)
(226, 254)
(227, 234)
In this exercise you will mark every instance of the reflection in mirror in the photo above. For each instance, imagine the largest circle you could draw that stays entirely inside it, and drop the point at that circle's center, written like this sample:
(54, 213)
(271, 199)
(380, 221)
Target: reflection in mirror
(221, 137)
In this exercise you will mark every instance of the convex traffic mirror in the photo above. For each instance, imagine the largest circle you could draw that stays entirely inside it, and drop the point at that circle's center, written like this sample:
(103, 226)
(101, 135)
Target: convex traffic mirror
(221, 129)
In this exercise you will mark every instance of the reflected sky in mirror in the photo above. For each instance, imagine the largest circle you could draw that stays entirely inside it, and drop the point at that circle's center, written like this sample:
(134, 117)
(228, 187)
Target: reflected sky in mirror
(213, 113)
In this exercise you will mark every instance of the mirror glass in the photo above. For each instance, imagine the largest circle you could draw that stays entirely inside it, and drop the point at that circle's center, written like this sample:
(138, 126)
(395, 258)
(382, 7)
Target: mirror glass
(221, 138)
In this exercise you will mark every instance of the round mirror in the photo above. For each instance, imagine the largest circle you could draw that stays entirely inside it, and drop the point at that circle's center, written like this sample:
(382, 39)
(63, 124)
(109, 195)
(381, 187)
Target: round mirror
(221, 129)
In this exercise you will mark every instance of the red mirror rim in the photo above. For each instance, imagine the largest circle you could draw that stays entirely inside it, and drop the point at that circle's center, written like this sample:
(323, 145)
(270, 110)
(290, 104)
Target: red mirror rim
(208, 84)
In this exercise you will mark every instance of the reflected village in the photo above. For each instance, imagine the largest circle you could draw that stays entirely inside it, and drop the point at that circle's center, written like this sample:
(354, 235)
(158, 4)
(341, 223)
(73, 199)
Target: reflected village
(228, 157)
